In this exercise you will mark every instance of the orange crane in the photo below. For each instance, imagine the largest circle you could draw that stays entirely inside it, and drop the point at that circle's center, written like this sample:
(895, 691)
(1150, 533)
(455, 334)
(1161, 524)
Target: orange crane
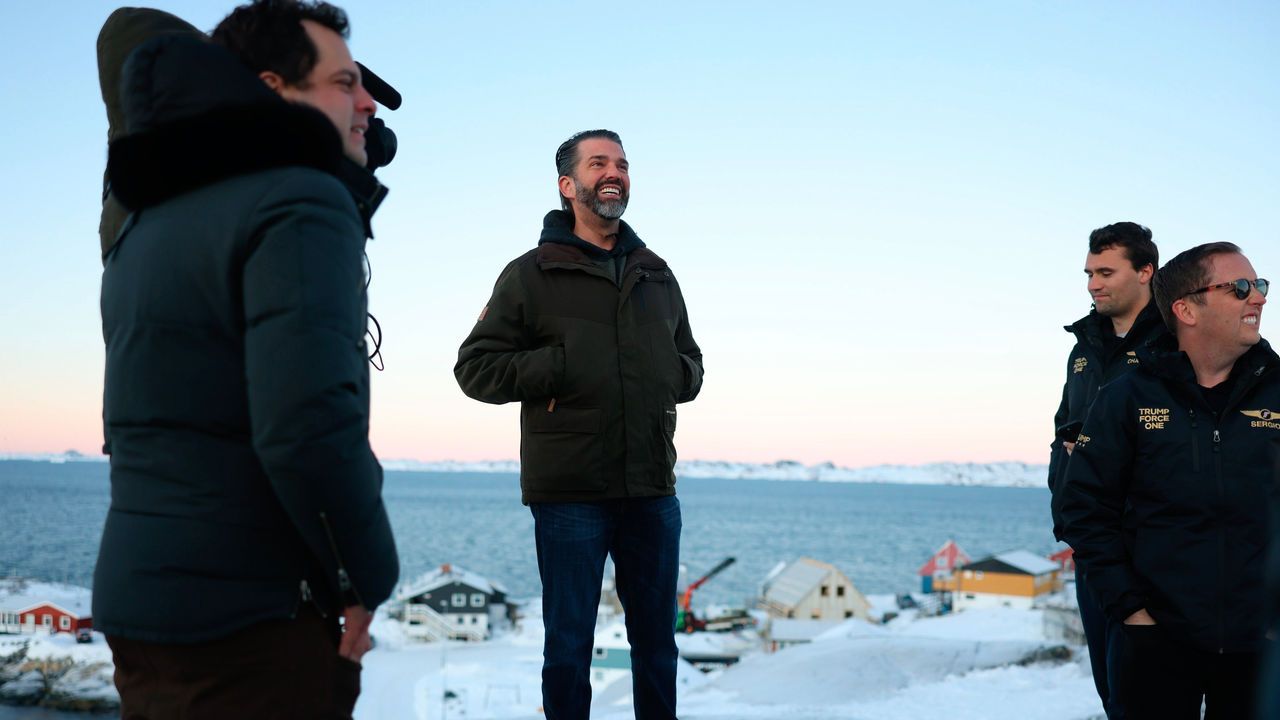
(686, 620)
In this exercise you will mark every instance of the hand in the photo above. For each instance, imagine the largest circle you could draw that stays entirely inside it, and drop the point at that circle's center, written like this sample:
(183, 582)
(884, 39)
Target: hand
(1069, 446)
(355, 633)
(1142, 617)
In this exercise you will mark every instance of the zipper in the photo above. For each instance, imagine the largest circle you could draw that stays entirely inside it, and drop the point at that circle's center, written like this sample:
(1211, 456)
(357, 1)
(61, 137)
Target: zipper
(1222, 543)
(349, 595)
(305, 596)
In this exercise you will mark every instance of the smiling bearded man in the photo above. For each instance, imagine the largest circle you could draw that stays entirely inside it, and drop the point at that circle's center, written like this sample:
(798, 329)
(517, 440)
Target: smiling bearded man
(589, 332)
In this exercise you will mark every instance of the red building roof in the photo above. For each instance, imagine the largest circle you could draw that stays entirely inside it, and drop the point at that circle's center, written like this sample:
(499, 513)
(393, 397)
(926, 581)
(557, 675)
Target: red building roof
(948, 557)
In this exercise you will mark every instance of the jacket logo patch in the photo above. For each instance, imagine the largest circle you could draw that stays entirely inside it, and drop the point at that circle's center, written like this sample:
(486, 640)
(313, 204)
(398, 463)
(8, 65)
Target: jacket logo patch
(1265, 419)
(1153, 418)
(1079, 364)
(483, 312)
(1131, 358)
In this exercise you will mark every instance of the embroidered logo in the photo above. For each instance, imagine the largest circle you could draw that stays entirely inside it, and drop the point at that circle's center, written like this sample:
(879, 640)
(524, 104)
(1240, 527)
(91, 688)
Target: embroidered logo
(1079, 364)
(1082, 440)
(1131, 358)
(1265, 419)
(1153, 418)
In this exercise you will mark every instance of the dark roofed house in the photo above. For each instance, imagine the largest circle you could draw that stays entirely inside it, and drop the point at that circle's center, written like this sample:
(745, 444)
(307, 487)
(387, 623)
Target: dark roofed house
(450, 603)
(1014, 579)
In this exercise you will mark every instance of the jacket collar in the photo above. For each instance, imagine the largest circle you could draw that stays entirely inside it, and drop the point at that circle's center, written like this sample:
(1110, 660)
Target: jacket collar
(1163, 359)
(1095, 327)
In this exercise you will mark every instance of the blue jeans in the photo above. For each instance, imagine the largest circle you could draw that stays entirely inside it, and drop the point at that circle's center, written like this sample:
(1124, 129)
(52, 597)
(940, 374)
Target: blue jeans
(643, 536)
(1108, 649)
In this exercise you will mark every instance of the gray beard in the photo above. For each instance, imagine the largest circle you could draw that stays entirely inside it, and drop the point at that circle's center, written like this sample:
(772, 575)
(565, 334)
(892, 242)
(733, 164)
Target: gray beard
(607, 209)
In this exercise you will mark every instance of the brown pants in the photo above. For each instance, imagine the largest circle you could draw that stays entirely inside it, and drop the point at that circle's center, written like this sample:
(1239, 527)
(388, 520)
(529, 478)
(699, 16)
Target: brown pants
(275, 669)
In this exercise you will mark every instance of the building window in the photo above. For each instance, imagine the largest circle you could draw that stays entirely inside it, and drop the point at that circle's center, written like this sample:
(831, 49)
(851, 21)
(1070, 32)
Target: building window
(978, 575)
(459, 599)
(474, 619)
(64, 622)
(477, 599)
(968, 574)
(840, 591)
(46, 620)
(970, 596)
(848, 613)
(31, 618)
(825, 591)
(461, 620)
(600, 652)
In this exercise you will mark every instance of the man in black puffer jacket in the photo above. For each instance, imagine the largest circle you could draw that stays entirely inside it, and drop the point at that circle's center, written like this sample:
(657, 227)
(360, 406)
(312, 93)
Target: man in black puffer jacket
(1165, 500)
(246, 512)
(1120, 264)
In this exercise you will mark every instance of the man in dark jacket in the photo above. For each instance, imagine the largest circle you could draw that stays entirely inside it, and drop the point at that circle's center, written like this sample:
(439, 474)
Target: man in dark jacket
(1122, 260)
(246, 512)
(1165, 500)
(588, 331)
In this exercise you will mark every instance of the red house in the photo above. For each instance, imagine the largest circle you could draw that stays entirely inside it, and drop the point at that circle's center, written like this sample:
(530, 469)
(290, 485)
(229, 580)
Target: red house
(29, 607)
(941, 564)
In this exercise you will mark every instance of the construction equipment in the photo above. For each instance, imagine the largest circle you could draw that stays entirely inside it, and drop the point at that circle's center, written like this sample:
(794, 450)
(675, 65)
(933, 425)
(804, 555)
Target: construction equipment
(687, 621)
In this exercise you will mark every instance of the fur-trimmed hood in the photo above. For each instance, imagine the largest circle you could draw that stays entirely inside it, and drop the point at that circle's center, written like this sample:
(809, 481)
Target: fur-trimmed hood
(194, 115)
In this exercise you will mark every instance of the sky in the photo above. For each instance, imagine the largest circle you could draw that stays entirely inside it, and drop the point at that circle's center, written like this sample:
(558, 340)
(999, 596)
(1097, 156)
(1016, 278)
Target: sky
(878, 212)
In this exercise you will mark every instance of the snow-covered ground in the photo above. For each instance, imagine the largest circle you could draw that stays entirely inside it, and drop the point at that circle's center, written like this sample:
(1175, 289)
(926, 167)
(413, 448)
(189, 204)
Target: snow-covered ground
(998, 474)
(963, 666)
(978, 664)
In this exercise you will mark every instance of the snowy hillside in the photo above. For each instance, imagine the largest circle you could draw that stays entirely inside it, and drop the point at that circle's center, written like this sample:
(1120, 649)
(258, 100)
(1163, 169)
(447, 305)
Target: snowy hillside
(1001, 474)
(998, 474)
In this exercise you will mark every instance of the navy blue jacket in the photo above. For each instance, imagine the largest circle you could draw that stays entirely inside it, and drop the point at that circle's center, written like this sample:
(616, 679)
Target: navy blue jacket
(236, 400)
(1097, 359)
(1165, 501)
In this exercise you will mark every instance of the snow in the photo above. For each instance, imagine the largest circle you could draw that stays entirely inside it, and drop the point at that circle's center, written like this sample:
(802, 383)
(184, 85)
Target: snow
(909, 668)
(17, 594)
(999, 474)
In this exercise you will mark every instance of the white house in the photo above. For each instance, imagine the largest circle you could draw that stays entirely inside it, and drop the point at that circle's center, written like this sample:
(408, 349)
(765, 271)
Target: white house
(450, 603)
(809, 589)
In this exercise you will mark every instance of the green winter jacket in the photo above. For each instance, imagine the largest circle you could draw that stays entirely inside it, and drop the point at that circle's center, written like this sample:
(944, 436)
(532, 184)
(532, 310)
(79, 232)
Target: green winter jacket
(598, 361)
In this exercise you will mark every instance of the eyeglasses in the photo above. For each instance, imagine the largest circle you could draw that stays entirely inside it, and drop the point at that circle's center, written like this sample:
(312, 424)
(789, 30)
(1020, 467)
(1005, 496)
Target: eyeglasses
(1240, 287)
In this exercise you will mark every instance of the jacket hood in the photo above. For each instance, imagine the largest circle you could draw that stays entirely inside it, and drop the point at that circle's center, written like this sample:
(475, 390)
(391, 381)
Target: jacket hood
(194, 115)
(557, 227)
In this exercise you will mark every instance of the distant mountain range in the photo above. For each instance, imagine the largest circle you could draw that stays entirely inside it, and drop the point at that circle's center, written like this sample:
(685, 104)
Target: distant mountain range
(997, 474)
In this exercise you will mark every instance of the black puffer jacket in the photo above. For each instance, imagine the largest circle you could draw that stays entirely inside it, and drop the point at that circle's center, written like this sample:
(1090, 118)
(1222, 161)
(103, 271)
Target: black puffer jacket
(1165, 501)
(597, 349)
(1097, 358)
(236, 403)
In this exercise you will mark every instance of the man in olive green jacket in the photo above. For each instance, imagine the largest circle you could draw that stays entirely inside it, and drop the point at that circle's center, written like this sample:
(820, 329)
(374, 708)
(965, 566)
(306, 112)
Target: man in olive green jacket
(589, 332)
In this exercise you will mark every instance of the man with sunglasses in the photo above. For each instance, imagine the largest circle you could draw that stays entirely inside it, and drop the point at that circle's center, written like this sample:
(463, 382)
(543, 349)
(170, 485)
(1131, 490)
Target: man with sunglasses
(1120, 264)
(1165, 499)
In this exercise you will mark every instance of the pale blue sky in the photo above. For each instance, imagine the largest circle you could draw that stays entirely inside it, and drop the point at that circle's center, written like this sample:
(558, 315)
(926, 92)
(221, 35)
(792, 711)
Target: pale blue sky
(878, 212)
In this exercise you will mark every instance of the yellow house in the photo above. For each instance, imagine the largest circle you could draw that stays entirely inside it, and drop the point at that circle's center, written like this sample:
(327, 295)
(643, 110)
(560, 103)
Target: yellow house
(1013, 579)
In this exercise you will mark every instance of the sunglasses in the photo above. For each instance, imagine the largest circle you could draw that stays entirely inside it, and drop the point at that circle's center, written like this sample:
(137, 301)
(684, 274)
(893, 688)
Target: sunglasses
(1240, 287)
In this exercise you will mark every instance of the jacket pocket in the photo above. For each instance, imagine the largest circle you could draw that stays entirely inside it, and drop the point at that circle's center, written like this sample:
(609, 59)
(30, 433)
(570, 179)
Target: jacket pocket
(561, 449)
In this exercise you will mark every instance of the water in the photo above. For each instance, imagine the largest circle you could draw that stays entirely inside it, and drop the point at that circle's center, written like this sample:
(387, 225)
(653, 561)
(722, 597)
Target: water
(877, 534)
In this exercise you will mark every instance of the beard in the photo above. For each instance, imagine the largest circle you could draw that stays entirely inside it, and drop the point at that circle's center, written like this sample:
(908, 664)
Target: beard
(607, 209)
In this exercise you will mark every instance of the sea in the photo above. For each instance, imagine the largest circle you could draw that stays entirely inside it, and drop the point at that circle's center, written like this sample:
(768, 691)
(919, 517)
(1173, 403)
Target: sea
(51, 517)
(877, 534)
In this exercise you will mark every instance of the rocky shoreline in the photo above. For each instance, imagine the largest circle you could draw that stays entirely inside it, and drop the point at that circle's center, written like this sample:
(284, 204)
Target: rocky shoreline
(57, 683)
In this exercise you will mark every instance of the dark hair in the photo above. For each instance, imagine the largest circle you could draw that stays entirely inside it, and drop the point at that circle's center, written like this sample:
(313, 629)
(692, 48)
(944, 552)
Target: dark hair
(1130, 237)
(1187, 271)
(268, 35)
(567, 155)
